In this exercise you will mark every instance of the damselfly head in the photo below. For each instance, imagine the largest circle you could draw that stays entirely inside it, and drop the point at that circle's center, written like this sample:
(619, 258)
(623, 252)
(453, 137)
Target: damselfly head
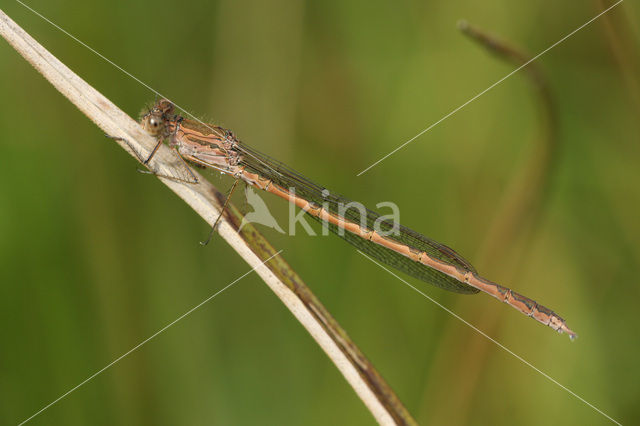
(153, 121)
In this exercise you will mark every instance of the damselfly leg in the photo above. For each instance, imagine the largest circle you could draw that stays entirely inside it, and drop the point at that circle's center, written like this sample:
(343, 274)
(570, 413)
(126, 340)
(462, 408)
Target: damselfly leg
(191, 178)
(224, 207)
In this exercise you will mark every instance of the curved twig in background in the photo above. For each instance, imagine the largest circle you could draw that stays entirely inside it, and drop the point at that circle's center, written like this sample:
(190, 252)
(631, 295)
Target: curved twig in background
(522, 205)
(624, 48)
(518, 215)
(204, 198)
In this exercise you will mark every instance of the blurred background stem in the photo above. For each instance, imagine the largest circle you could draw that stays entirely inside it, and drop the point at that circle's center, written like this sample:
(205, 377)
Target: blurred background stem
(506, 243)
(622, 34)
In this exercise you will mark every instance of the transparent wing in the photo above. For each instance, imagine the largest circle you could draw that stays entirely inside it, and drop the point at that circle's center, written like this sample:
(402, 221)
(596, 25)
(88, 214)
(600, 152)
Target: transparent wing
(286, 177)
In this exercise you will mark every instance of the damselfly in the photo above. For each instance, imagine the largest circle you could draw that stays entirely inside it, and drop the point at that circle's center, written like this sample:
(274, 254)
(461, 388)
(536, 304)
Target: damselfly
(393, 244)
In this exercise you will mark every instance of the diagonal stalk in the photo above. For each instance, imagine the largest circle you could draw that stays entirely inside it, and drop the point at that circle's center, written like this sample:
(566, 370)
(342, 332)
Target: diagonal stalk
(206, 200)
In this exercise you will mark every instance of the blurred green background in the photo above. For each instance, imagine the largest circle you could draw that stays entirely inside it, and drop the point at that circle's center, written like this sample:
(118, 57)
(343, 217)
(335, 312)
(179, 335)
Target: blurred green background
(94, 257)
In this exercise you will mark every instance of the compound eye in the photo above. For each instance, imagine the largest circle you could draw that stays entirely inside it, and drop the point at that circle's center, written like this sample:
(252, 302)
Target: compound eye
(153, 124)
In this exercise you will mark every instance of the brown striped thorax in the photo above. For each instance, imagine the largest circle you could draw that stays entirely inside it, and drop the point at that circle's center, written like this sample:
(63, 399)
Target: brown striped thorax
(201, 144)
